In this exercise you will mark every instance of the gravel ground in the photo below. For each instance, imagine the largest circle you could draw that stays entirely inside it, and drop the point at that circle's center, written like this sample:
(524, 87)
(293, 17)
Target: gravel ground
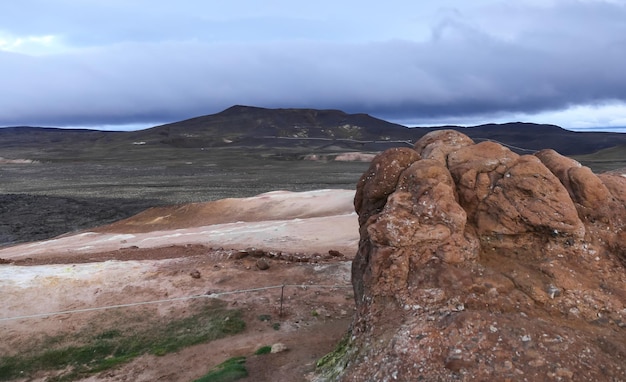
(55, 195)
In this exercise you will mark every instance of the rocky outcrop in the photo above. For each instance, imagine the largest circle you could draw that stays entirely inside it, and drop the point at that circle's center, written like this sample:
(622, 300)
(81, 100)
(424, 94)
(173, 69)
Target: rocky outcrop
(476, 263)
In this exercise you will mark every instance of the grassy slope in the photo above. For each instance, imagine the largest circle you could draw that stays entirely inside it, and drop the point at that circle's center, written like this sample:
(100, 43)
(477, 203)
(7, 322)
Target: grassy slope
(605, 160)
(74, 356)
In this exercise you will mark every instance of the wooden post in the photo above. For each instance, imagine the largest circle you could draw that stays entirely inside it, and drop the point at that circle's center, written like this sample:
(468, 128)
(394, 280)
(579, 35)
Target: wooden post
(282, 293)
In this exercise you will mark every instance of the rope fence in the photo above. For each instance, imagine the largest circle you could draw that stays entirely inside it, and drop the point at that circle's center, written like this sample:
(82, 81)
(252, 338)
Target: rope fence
(506, 145)
(407, 142)
(184, 298)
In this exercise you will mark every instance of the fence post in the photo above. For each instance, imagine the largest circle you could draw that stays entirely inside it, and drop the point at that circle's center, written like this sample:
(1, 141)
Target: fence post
(282, 293)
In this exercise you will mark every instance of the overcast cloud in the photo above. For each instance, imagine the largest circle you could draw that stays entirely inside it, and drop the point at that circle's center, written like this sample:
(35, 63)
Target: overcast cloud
(107, 63)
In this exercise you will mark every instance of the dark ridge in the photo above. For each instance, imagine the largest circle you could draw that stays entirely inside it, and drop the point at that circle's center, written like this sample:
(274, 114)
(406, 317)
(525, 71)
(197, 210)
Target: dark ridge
(534, 137)
(248, 126)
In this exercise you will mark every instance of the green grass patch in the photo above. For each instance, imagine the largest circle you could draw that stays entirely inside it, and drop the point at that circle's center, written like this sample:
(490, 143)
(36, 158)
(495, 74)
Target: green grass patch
(228, 371)
(86, 354)
(263, 350)
(335, 357)
(330, 366)
(109, 334)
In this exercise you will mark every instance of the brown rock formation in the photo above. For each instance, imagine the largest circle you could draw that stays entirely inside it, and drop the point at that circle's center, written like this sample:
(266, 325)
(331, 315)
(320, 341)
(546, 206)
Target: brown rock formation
(476, 263)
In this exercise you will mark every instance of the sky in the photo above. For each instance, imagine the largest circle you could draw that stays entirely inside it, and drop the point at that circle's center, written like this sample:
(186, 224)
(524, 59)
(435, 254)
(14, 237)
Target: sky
(130, 64)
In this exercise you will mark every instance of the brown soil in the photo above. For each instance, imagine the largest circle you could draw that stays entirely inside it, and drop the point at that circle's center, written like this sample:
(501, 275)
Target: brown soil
(60, 275)
(313, 320)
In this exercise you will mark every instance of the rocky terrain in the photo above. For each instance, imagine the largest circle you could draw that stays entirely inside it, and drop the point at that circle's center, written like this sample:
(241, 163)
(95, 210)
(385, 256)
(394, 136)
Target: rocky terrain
(476, 263)
(166, 263)
(54, 181)
(475, 260)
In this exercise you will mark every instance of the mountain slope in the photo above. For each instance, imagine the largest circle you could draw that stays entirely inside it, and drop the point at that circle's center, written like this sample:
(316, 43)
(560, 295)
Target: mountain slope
(306, 129)
(249, 126)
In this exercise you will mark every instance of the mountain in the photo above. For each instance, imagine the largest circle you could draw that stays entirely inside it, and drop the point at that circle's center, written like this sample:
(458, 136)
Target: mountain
(253, 126)
(533, 137)
(246, 126)
(54, 180)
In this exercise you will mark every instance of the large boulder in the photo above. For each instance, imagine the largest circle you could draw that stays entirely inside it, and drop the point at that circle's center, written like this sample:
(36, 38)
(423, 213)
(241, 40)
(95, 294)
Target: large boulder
(476, 263)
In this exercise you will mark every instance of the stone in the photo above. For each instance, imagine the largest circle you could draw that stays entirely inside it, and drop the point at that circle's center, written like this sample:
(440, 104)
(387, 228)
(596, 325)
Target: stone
(438, 144)
(380, 180)
(195, 274)
(475, 262)
(600, 199)
(240, 254)
(278, 347)
(564, 373)
(255, 252)
(262, 264)
(335, 253)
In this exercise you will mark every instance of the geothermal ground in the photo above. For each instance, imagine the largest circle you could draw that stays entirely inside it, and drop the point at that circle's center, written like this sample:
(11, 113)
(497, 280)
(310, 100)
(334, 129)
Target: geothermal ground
(171, 292)
(166, 262)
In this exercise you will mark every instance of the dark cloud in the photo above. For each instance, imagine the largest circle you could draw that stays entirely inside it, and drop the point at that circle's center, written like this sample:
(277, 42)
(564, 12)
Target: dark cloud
(570, 54)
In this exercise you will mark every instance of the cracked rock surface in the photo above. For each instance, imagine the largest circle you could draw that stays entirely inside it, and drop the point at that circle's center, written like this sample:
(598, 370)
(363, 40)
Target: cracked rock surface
(476, 263)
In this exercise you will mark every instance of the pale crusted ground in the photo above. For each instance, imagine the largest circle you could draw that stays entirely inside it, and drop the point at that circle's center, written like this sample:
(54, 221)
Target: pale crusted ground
(310, 222)
(111, 266)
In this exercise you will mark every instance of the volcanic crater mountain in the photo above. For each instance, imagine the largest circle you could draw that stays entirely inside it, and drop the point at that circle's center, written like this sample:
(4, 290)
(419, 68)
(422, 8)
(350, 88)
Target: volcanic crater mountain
(247, 126)
(253, 126)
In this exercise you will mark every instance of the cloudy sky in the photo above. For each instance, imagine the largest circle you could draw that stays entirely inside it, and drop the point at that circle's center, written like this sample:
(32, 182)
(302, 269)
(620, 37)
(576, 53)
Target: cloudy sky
(137, 63)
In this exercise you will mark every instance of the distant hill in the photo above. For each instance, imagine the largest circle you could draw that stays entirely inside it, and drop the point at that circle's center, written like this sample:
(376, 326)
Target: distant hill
(253, 126)
(533, 137)
(246, 126)
(27, 136)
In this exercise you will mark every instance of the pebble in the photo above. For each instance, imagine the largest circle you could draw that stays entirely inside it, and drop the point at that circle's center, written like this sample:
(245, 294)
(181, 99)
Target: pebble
(537, 362)
(195, 274)
(278, 347)
(554, 291)
(564, 373)
(262, 264)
